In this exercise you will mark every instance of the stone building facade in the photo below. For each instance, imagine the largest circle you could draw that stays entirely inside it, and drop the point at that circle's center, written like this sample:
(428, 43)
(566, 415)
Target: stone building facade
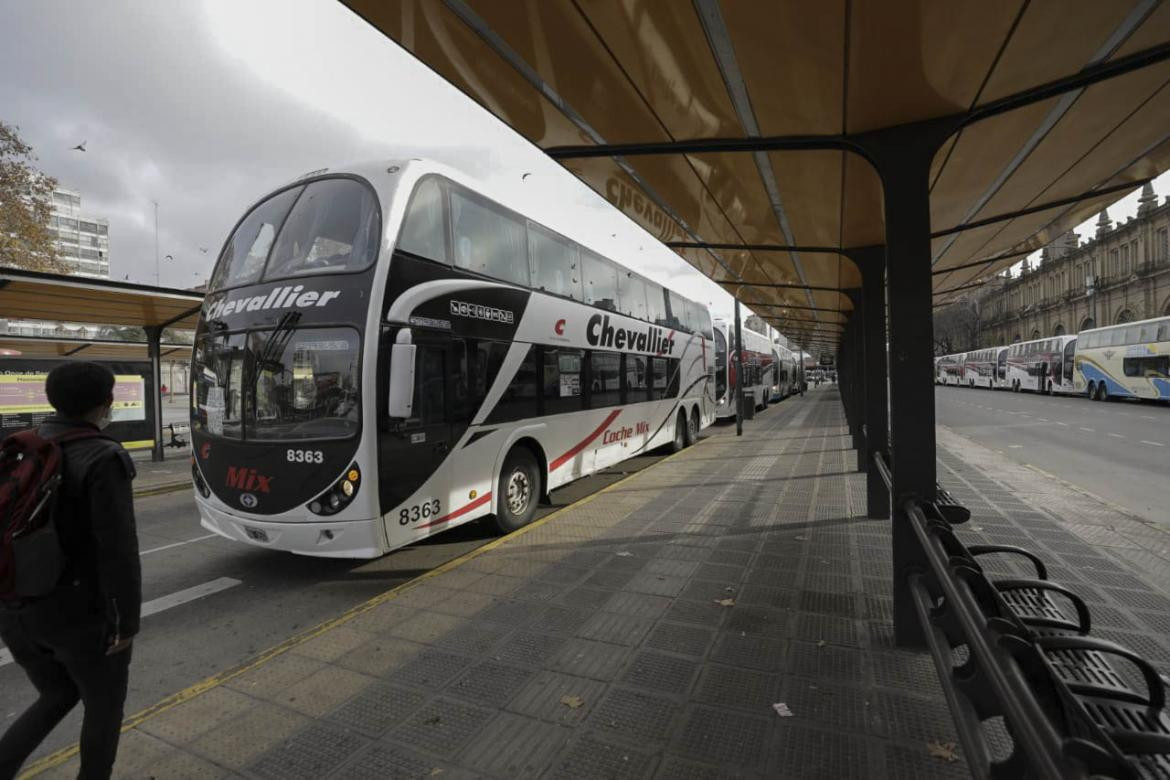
(1122, 274)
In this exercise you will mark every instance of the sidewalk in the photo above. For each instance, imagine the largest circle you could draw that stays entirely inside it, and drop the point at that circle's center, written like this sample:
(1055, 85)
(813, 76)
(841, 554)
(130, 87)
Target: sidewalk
(647, 631)
(170, 475)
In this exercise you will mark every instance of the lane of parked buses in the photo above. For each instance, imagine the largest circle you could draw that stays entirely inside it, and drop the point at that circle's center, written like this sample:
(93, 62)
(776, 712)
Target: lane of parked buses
(1130, 360)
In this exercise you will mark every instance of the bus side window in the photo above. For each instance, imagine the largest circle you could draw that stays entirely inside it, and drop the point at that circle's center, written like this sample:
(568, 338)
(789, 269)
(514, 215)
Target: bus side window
(637, 381)
(601, 280)
(562, 380)
(605, 378)
(658, 381)
(487, 241)
(520, 399)
(429, 379)
(655, 304)
(672, 377)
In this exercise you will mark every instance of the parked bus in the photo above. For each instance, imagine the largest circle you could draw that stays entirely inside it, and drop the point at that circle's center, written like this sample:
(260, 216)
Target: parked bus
(1125, 361)
(756, 368)
(1042, 366)
(949, 369)
(985, 367)
(385, 353)
(786, 372)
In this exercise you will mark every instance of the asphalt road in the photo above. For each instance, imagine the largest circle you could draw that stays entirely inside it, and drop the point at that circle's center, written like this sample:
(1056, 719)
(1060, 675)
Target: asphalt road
(218, 603)
(1117, 450)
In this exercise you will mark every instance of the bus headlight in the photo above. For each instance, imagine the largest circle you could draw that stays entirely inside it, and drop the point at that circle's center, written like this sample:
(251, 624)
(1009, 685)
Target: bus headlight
(339, 495)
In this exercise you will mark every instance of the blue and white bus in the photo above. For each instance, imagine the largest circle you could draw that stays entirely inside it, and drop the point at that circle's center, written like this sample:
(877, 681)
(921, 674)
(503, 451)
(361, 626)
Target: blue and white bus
(1131, 360)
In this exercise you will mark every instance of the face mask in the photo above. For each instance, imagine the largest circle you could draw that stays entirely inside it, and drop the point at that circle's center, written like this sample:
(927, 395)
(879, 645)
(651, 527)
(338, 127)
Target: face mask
(105, 418)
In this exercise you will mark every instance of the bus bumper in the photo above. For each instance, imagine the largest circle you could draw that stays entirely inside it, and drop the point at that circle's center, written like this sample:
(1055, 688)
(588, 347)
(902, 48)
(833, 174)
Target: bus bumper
(337, 539)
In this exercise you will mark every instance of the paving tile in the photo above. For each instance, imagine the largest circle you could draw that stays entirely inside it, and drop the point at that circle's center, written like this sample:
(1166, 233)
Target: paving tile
(443, 726)
(594, 598)
(825, 702)
(616, 629)
(309, 754)
(586, 658)
(643, 605)
(557, 619)
(426, 627)
(730, 739)
(529, 648)
(430, 669)
(681, 639)
(916, 764)
(703, 613)
(911, 717)
(840, 604)
(764, 621)
(741, 689)
(514, 746)
(237, 742)
(753, 652)
(185, 723)
(542, 697)
(475, 638)
(381, 761)
(491, 683)
(378, 708)
(805, 752)
(656, 584)
(334, 643)
(379, 656)
(825, 661)
(660, 672)
(324, 690)
(824, 628)
(590, 758)
(635, 716)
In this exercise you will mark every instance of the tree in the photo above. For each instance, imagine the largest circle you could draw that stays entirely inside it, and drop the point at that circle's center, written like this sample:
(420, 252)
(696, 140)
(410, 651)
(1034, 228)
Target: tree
(25, 206)
(956, 327)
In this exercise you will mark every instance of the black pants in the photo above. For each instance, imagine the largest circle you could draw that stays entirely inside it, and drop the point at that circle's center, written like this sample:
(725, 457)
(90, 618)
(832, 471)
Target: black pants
(61, 643)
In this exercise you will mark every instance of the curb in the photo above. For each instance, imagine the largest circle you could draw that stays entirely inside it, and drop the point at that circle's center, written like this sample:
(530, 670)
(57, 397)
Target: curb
(158, 490)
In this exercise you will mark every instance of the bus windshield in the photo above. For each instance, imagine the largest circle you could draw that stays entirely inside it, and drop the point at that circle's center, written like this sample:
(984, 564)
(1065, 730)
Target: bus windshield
(278, 384)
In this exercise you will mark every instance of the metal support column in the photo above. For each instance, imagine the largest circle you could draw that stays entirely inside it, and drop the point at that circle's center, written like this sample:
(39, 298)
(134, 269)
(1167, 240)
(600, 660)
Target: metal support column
(153, 351)
(903, 157)
(739, 372)
(872, 264)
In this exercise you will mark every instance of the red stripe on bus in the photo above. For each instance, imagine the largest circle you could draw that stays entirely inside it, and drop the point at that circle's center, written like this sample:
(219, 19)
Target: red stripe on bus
(461, 511)
(556, 464)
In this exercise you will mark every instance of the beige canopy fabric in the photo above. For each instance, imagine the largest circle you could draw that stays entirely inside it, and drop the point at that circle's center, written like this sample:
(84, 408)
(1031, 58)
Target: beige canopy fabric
(1061, 109)
(36, 296)
(89, 349)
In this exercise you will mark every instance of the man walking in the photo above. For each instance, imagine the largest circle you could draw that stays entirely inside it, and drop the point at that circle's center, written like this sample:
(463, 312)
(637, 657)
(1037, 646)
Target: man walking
(75, 642)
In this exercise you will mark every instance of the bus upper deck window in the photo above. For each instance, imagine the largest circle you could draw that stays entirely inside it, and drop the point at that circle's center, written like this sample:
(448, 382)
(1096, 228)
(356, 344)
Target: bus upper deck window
(243, 258)
(332, 228)
(555, 264)
(488, 241)
(424, 230)
(600, 275)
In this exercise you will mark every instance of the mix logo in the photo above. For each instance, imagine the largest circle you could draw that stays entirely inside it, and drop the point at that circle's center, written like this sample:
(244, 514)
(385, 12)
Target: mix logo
(248, 479)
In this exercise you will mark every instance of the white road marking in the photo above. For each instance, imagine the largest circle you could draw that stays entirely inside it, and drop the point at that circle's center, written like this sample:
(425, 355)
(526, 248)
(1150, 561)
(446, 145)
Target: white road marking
(1015, 446)
(1090, 430)
(176, 544)
(166, 602)
(1115, 435)
(1041, 419)
(1153, 443)
(155, 606)
(1058, 422)
(1147, 417)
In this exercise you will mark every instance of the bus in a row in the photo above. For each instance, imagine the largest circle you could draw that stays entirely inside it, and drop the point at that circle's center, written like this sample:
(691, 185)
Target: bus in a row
(754, 368)
(786, 374)
(385, 352)
(1130, 360)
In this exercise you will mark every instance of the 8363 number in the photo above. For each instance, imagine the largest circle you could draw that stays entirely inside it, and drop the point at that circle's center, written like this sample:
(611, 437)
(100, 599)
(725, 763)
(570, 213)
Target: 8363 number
(412, 514)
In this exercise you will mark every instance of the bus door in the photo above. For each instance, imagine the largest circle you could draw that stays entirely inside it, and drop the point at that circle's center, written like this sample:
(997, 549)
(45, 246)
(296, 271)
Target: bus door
(412, 450)
(1069, 355)
(1001, 368)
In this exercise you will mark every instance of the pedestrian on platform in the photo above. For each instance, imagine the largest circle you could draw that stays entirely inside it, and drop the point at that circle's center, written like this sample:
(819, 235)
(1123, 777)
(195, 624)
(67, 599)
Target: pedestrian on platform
(73, 638)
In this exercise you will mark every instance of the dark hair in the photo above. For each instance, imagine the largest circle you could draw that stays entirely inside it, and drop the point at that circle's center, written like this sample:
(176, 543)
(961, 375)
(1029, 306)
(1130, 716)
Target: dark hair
(76, 389)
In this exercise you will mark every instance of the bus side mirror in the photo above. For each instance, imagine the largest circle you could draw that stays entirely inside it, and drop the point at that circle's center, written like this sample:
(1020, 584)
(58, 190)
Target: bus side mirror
(402, 378)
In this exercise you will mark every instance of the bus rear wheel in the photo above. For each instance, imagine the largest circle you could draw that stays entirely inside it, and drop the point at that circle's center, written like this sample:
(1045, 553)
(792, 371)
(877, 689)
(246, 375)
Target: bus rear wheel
(519, 491)
(679, 442)
(693, 427)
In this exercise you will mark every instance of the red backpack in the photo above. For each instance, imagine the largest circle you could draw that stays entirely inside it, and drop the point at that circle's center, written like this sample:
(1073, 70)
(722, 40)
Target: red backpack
(31, 561)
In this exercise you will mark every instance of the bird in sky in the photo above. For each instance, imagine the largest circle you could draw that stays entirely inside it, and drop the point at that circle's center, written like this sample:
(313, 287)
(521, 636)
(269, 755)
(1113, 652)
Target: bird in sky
(80, 147)
(168, 257)
(525, 176)
(203, 249)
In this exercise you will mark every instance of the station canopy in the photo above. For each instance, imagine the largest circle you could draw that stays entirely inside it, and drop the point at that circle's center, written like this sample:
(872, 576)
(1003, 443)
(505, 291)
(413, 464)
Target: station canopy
(727, 129)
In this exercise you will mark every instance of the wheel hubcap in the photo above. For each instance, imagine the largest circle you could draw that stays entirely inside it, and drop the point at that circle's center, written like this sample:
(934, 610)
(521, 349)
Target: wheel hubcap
(519, 492)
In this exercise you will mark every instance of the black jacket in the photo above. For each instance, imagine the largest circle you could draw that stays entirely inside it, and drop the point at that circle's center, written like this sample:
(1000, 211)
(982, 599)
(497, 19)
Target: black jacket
(95, 525)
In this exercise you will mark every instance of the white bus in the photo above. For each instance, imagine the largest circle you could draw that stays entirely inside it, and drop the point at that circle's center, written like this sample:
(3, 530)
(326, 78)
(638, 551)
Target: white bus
(1125, 361)
(985, 367)
(786, 372)
(756, 368)
(385, 353)
(949, 369)
(1042, 365)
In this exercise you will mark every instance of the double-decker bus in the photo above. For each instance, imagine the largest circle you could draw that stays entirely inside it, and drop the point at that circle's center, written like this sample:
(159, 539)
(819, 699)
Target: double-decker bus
(949, 369)
(754, 367)
(985, 367)
(1125, 361)
(785, 372)
(1042, 365)
(385, 353)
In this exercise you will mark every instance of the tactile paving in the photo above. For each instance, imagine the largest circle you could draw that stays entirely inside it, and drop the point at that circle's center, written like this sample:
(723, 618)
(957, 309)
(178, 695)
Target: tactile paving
(591, 758)
(917, 764)
(824, 628)
(912, 717)
(754, 652)
(314, 752)
(377, 708)
(764, 621)
(840, 604)
(741, 689)
(682, 639)
(430, 669)
(490, 682)
(382, 761)
(827, 661)
(633, 715)
(660, 672)
(801, 751)
(529, 648)
(730, 739)
(443, 726)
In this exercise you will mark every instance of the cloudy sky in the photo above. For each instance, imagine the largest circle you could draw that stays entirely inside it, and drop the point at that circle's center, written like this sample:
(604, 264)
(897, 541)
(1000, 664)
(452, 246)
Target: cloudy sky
(203, 107)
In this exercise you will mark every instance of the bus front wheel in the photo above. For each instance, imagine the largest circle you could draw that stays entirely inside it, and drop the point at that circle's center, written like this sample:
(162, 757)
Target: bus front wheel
(519, 491)
(693, 427)
(1091, 391)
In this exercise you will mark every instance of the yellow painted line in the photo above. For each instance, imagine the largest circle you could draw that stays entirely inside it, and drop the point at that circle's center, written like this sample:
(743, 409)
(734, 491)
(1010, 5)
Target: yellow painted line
(175, 699)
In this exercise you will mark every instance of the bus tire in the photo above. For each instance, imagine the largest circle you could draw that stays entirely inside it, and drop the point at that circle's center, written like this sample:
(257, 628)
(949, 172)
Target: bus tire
(1091, 391)
(518, 491)
(693, 426)
(679, 442)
